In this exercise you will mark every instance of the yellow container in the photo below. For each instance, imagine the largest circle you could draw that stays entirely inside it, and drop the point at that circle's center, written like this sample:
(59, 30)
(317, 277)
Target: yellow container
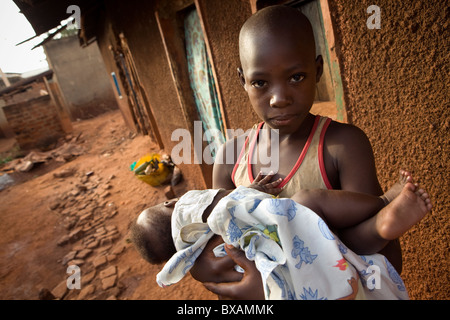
(157, 177)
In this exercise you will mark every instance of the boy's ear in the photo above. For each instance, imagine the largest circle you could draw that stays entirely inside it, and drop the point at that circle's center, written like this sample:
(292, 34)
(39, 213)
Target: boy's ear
(241, 77)
(319, 67)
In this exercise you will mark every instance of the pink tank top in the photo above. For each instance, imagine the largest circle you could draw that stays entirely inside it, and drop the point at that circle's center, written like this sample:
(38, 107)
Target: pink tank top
(307, 173)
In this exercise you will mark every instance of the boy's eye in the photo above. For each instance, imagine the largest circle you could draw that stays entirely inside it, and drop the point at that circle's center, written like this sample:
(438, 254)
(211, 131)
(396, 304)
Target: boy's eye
(297, 78)
(258, 83)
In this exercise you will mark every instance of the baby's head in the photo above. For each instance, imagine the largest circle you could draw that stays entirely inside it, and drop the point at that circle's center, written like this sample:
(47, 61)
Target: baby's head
(279, 67)
(151, 233)
(158, 231)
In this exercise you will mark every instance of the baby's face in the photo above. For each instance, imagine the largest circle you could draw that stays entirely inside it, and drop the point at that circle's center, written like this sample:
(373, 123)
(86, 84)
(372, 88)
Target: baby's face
(279, 73)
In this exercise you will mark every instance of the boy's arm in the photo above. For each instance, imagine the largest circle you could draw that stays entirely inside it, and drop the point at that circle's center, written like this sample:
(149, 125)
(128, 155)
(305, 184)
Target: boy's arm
(349, 160)
(207, 267)
(223, 167)
(350, 164)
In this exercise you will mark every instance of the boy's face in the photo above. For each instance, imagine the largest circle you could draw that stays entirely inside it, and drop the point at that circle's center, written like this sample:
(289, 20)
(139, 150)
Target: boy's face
(279, 73)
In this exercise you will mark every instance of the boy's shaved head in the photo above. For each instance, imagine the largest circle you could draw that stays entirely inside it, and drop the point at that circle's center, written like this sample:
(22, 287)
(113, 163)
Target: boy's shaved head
(276, 23)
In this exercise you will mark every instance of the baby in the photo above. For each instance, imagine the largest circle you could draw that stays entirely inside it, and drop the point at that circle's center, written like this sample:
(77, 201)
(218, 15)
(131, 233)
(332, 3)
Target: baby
(237, 216)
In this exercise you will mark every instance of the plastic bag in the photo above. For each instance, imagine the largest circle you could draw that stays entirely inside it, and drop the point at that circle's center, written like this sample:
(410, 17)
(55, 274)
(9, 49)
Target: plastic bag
(154, 169)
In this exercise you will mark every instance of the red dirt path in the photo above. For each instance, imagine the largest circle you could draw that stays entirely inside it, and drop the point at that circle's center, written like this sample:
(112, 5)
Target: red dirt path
(31, 260)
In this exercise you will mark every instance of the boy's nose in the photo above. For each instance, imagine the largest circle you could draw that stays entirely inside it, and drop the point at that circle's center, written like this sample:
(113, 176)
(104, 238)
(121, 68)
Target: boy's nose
(280, 98)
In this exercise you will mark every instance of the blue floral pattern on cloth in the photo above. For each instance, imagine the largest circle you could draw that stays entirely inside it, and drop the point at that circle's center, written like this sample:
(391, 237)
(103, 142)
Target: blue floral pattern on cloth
(395, 277)
(310, 295)
(233, 232)
(303, 252)
(282, 207)
(298, 256)
(326, 232)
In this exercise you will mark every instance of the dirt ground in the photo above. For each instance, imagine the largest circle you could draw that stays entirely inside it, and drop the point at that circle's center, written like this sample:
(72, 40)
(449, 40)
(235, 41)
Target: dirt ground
(79, 213)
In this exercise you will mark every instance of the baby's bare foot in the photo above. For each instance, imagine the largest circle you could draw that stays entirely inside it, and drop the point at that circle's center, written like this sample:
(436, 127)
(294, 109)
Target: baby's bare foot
(408, 208)
(394, 191)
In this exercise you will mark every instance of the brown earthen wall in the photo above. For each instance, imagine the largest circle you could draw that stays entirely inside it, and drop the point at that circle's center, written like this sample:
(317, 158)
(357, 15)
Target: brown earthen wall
(35, 122)
(223, 21)
(140, 29)
(396, 89)
(106, 43)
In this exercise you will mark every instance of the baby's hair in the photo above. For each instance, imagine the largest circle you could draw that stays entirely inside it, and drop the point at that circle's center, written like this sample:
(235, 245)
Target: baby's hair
(160, 226)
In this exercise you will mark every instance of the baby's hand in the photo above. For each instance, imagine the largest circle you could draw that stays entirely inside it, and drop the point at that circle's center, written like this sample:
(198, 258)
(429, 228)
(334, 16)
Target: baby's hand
(262, 183)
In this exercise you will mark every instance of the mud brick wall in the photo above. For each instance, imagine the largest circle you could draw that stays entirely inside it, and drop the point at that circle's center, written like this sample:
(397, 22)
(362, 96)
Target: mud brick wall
(396, 87)
(35, 122)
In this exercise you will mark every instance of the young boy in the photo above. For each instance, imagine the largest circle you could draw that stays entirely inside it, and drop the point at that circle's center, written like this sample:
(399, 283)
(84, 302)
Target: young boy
(339, 209)
(279, 71)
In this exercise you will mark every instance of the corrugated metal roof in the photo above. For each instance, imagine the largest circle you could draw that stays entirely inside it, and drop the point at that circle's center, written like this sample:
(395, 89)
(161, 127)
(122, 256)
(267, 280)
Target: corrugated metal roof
(18, 85)
(45, 15)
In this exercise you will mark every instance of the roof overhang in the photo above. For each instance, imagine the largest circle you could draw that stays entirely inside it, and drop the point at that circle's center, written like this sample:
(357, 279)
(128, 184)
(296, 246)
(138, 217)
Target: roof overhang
(16, 87)
(46, 15)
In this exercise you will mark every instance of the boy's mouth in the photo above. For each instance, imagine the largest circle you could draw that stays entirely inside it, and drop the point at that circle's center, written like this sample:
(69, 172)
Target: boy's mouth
(283, 120)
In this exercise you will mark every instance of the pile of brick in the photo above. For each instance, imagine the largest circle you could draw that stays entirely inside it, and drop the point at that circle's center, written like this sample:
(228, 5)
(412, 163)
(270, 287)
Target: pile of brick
(90, 238)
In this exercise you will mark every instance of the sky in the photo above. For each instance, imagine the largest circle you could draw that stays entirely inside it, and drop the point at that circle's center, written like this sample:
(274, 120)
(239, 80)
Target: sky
(14, 28)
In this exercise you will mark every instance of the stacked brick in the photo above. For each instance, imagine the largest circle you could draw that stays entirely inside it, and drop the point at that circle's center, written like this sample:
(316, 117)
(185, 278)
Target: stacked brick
(35, 122)
(90, 239)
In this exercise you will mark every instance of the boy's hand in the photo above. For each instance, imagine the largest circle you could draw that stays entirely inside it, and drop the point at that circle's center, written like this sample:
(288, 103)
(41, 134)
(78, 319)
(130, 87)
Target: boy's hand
(250, 287)
(209, 268)
(261, 183)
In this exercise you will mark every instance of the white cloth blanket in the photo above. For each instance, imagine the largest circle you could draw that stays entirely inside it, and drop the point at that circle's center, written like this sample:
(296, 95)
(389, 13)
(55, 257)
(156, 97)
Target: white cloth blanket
(295, 251)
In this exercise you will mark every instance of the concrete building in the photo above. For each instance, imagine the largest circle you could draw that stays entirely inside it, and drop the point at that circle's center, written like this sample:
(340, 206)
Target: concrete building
(82, 77)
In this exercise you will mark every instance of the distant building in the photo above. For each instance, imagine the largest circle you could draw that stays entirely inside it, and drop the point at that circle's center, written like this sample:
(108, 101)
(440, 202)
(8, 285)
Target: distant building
(82, 77)
(11, 78)
(31, 110)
